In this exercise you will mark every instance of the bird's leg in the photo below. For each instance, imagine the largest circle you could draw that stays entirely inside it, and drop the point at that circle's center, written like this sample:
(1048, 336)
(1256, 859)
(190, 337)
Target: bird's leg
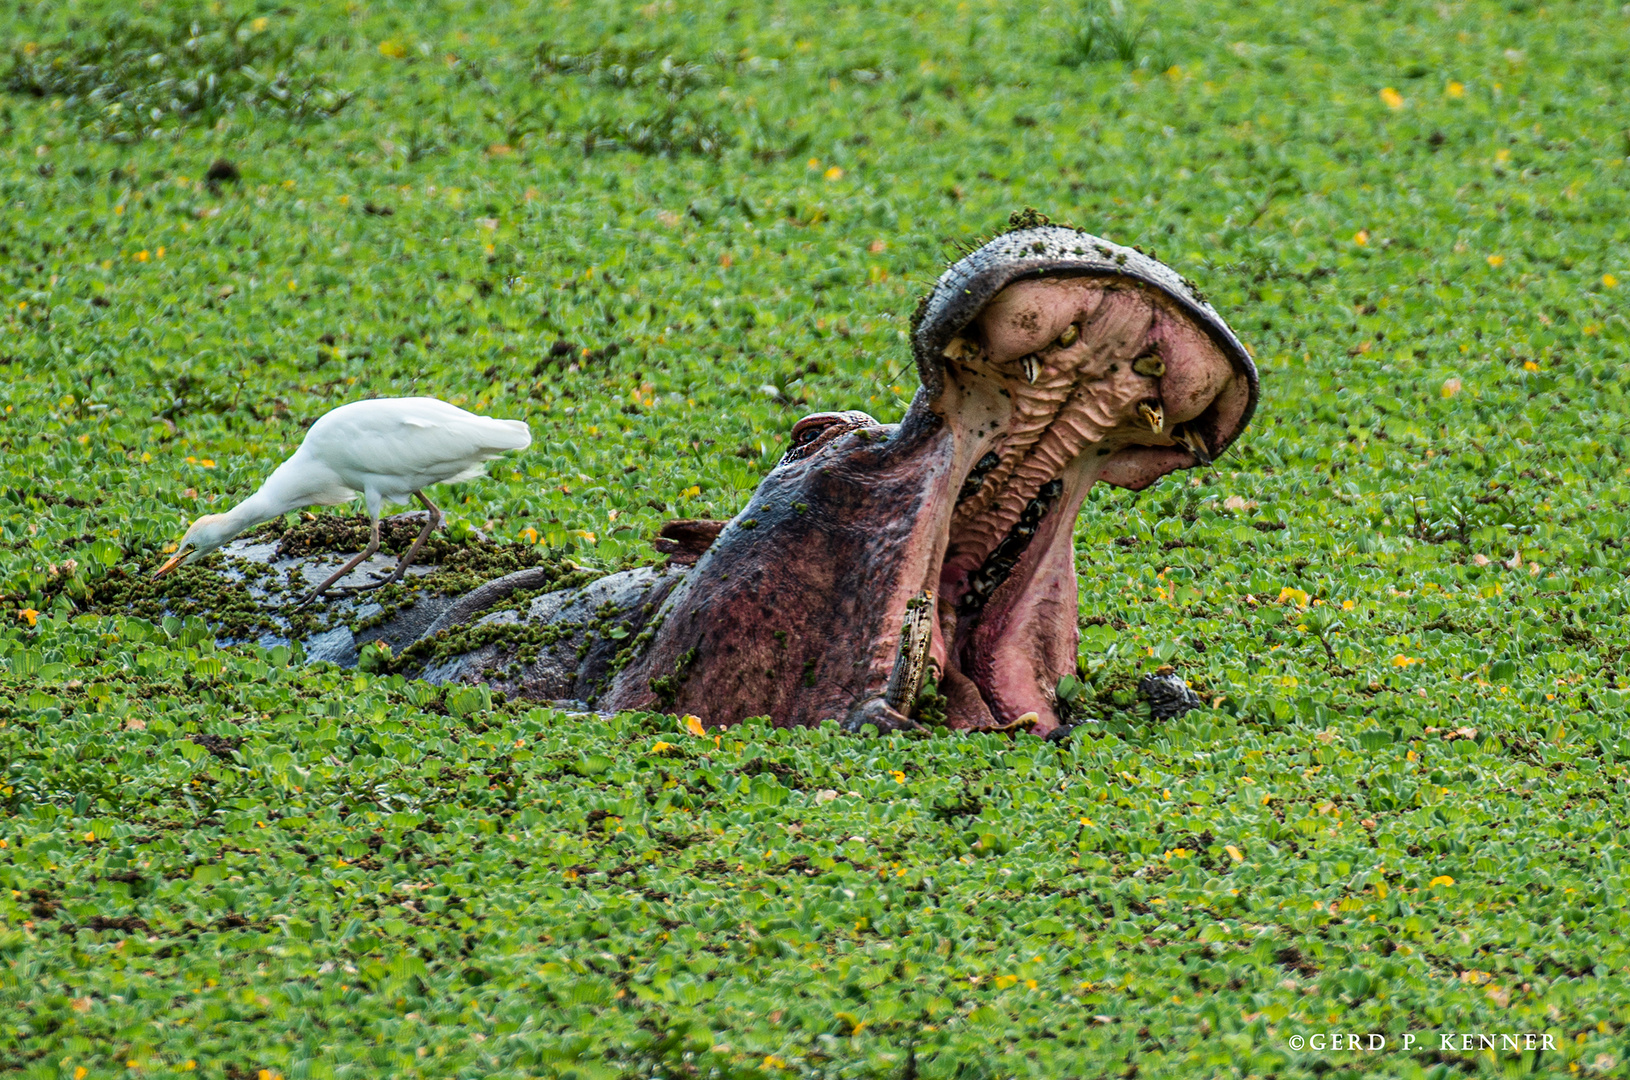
(373, 546)
(431, 524)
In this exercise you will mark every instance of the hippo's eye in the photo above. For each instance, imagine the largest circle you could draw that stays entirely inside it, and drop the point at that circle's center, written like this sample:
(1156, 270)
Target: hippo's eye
(809, 434)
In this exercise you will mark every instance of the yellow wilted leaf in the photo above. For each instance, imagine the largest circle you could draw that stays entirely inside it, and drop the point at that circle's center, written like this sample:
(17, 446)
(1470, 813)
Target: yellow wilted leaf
(693, 724)
(1441, 879)
(1404, 661)
(1381, 890)
(1235, 853)
(1392, 98)
(1610, 281)
(1004, 981)
(1455, 89)
(1290, 592)
(1451, 387)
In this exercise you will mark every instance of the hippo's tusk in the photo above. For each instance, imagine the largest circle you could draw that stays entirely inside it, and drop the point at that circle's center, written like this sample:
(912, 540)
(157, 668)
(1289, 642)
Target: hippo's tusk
(1032, 368)
(917, 633)
(1153, 415)
(1195, 444)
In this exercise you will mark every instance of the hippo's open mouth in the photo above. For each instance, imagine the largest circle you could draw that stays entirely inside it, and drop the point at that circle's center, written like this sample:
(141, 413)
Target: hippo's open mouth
(874, 554)
(1056, 383)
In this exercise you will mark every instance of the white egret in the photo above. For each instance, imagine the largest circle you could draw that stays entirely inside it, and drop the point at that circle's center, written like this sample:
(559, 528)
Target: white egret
(386, 450)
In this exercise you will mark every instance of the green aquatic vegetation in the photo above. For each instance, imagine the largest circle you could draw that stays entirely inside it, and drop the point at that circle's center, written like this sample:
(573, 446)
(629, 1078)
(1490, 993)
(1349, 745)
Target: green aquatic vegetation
(1402, 593)
(142, 75)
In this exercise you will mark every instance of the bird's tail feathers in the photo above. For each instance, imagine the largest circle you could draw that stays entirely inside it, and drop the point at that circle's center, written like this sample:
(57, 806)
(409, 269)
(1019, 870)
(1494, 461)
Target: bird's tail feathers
(510, 435)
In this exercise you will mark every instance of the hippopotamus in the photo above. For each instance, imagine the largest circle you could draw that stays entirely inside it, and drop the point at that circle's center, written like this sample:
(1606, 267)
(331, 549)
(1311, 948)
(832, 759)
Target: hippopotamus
(876, 555)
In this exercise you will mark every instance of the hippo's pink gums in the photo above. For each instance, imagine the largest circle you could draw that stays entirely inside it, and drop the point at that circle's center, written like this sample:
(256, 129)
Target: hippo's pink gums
(1049, 359)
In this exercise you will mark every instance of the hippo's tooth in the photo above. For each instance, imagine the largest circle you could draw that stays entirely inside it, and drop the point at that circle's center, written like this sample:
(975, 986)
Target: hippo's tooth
(959, 348)
(1153, 415)
(917, 633)
(1151, 366)
(1196, 445)
(1032, 368)
(1069, 336)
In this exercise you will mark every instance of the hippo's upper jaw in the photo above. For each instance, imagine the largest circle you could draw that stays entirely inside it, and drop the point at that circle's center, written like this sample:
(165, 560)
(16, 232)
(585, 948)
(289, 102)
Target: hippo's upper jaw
(872, 554)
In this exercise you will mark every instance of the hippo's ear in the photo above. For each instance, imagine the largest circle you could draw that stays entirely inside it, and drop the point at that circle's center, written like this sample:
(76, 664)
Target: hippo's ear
(687, 539)
(1205, 436)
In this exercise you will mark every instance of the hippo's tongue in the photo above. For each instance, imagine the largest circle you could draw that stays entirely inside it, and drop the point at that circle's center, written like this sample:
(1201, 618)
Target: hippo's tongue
(1011, 632)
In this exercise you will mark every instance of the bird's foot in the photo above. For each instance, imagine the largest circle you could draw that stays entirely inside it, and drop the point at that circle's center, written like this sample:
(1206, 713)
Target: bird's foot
(370, 587)
(308, 598)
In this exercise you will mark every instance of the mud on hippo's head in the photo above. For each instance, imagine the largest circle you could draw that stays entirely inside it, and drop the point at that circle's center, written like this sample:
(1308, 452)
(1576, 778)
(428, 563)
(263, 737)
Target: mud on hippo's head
(875, 554)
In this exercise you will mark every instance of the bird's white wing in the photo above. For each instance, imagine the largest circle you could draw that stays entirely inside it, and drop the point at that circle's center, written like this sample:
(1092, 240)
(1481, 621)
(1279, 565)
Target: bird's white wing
(399, 445)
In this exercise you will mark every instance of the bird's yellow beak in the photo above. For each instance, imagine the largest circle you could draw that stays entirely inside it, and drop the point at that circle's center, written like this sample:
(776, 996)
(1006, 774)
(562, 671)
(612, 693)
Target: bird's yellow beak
(1153, 415)
(170, 564)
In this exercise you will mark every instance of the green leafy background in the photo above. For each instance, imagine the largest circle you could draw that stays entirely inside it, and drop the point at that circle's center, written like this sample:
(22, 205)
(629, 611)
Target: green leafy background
(660, 234)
